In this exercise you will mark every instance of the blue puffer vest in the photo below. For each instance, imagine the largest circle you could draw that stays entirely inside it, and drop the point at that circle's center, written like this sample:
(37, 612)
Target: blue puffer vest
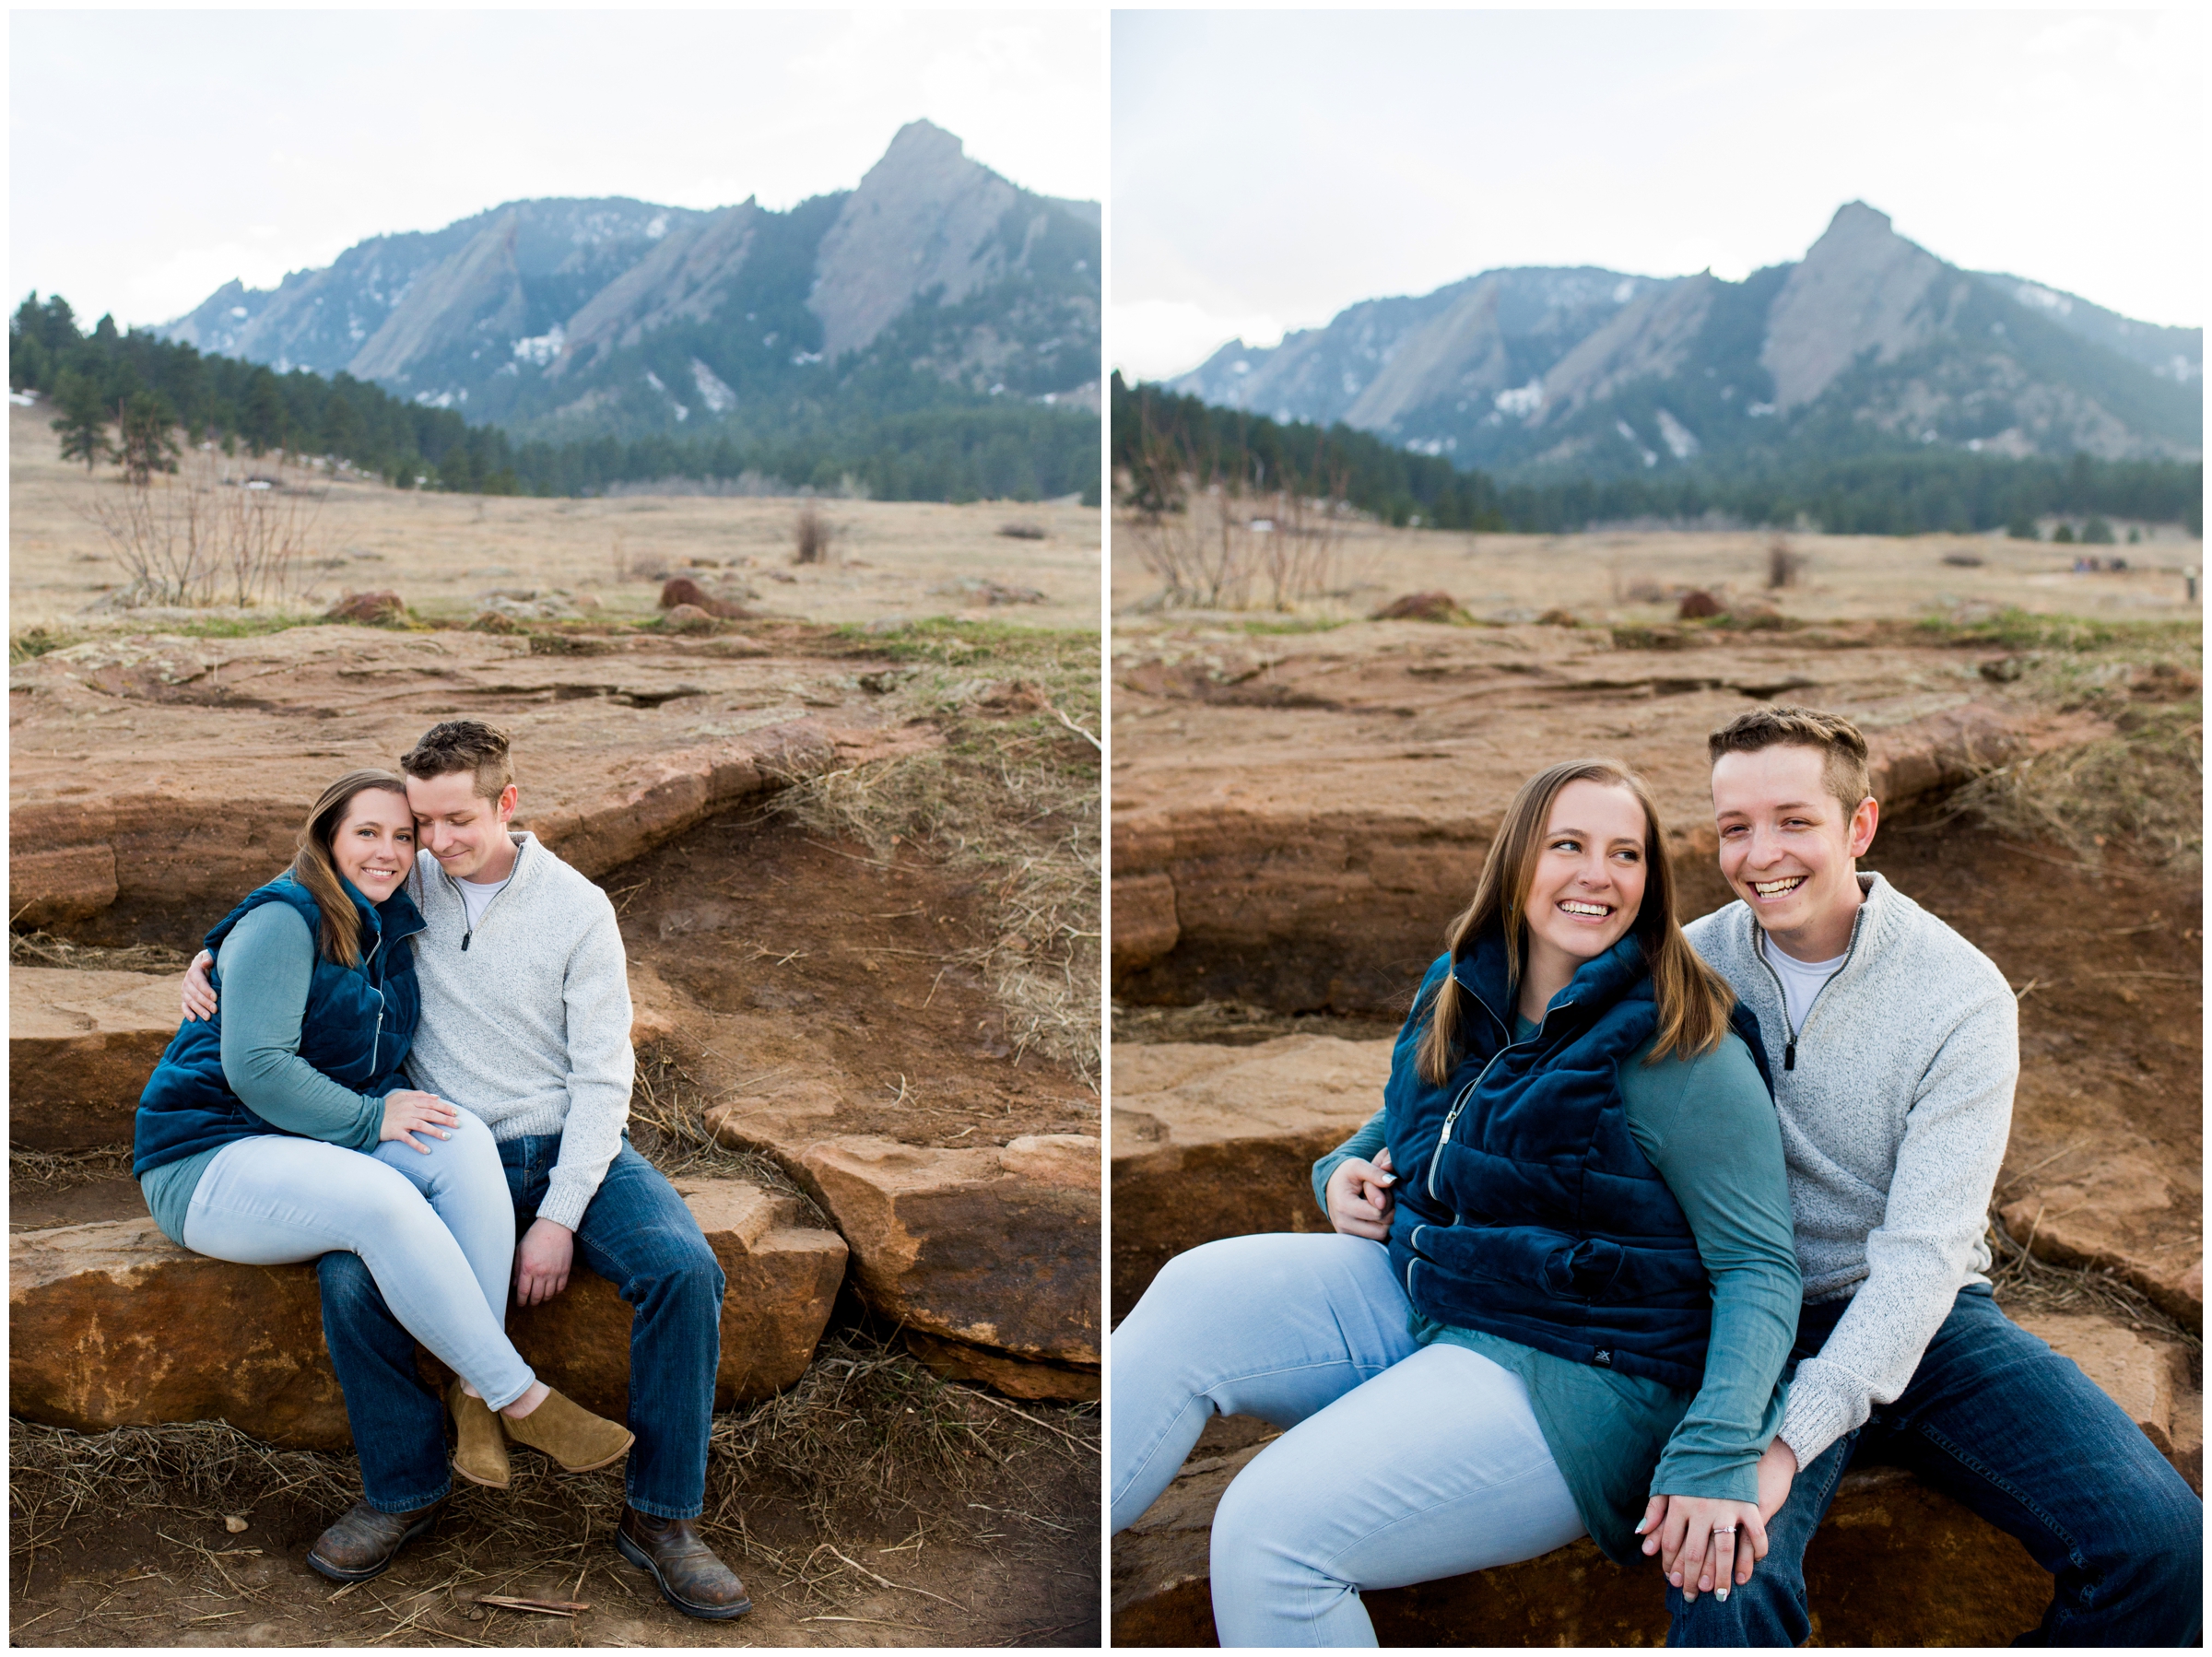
(1525, 1208)
(358, 1026)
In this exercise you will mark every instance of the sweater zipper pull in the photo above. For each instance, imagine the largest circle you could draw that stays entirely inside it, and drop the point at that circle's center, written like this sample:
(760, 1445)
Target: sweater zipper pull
(1789, 1048)
(471, 933)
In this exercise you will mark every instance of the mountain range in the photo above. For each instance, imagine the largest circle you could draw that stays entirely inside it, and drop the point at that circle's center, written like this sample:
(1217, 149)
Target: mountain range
(1868, 343)
(934, 280)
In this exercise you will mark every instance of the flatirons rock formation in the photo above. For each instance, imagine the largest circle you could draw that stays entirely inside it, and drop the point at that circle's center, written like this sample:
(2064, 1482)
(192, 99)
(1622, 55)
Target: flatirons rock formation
(1868, 339)
(574, 317)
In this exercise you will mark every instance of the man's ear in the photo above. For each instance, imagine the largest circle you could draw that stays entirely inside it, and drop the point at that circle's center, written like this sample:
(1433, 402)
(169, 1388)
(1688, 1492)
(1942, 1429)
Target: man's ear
(1864, 822)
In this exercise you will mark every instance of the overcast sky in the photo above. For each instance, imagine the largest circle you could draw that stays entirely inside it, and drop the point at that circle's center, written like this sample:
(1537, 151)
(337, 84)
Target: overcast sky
(153, 156)
(1270, 169)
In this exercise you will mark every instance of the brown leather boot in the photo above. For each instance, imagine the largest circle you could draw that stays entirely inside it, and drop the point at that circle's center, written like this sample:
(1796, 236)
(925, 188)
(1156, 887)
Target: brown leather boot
(480, 1456)
(570, 1434)
(364, 1542)
(690, 1577)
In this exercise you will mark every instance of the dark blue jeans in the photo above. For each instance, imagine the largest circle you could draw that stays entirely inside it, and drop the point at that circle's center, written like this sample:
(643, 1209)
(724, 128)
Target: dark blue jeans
(1995, 1419)
(639, 1236)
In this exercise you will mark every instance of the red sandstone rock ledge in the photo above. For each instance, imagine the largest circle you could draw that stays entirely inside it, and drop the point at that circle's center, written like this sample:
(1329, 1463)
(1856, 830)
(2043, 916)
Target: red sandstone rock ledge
(162, 776)
(113, 1325)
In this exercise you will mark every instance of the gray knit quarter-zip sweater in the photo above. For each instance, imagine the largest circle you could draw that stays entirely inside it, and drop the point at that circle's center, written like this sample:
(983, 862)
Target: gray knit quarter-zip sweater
(525, 1021)
(1896, 1098)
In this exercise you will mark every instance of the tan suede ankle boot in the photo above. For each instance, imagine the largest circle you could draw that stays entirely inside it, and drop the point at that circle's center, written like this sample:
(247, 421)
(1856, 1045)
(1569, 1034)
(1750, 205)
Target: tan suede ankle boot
(481, 1455)
(570, 1434)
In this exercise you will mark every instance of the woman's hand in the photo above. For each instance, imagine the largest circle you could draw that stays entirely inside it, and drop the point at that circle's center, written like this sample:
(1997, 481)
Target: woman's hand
(1705, 1544)
(407, 1113)
(199, 994)
(1358, 1194)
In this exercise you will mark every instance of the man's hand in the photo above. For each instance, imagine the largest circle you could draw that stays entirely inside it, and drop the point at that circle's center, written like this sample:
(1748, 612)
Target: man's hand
(1777, 1470)
(1358, 1194)
(199, 994)
(542, 1261)
(1680, 1530)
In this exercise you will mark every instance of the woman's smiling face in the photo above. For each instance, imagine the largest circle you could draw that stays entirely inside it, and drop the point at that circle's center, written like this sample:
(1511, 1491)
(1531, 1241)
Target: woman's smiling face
(1589, 877)
(374, 846)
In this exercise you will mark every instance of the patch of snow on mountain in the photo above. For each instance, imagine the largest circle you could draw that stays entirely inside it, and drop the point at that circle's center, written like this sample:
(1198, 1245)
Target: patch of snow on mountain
(239, 312)
(1682, 442)
(542, 348)
(653, 380)
(1624, 290)
(434, 399)
(1238, 366)
(2043, 298)
(801, 358)
(656, 227)
(1629, 432)
(1758, 410)
(717, 396)
(1522, 401)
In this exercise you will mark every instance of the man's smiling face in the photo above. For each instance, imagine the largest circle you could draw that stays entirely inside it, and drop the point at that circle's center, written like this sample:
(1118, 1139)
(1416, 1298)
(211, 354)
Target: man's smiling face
(1788, 846)
(465, 832)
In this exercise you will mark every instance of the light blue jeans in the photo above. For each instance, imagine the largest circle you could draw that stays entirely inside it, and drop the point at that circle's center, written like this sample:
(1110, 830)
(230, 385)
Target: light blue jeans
(436, 1232)
(1401, 1462)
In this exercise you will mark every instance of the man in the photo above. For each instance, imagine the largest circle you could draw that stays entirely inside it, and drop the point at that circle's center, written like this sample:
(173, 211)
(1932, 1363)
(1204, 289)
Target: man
(1893, 1047)
(525, 1021)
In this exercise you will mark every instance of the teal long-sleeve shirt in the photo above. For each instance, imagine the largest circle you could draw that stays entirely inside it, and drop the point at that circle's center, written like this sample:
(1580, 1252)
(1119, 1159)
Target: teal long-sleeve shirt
(1710, 1129)
(267, 962)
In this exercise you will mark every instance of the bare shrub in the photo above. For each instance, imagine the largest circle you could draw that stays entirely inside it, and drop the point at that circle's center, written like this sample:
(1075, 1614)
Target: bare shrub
(1022, 531)
(203, 537)
(1784, 565)
(812, 535)
(1216, 538)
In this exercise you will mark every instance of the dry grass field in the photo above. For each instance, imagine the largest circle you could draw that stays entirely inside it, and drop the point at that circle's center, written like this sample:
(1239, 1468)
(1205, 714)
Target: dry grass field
(442, 553)
(1611, 576)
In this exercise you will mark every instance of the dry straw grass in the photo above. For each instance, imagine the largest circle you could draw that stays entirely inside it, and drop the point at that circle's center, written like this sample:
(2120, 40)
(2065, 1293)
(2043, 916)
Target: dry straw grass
(866, 1436)
(2140, 788)
(2024, 1283)
(1013, 803)
(43, 949)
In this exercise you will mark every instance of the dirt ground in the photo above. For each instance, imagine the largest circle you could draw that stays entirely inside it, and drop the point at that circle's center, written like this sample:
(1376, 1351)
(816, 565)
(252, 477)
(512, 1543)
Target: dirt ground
(443, 553)
(793, 965)
(991, 1544)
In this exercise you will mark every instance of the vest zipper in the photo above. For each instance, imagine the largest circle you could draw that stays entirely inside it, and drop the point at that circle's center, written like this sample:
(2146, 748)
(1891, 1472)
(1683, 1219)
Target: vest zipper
(1467, 1093)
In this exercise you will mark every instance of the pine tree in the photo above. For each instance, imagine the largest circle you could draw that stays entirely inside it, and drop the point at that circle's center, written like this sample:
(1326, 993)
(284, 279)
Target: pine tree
(148, 445)
(84, 421)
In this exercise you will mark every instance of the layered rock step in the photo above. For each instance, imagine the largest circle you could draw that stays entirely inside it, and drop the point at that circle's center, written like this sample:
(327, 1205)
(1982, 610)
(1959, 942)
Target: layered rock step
(155, 779)
(111, 1324)
(81, 1045)
(988, 1258)
(1295, 822)
(1212, 1142)
(1894, 1563)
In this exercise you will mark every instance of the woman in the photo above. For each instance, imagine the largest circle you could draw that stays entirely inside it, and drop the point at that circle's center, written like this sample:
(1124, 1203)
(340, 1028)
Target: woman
(1588, 1290)
(283, 1127)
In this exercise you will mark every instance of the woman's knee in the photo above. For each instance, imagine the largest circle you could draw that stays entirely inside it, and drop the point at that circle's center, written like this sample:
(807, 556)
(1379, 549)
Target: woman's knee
(1260, 1519)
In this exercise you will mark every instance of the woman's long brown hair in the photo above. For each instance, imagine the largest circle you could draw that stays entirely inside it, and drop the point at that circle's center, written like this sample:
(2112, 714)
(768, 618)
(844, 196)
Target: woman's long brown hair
(314, 868)
(1693, 999)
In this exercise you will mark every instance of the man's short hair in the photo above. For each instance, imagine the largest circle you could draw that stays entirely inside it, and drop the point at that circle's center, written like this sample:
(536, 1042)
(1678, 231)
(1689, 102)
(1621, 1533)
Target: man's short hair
(463, 745)
(1841, 747)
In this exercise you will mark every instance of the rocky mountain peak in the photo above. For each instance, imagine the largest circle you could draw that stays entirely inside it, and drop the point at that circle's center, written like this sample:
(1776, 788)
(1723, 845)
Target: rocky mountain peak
(1862, 287)
(920, 219)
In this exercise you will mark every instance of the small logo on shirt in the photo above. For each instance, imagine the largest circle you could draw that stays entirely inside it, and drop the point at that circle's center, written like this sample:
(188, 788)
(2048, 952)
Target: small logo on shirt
(1603, 1358)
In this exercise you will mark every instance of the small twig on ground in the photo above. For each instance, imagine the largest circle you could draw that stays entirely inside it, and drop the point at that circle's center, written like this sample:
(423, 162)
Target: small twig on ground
(1025, 1415)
